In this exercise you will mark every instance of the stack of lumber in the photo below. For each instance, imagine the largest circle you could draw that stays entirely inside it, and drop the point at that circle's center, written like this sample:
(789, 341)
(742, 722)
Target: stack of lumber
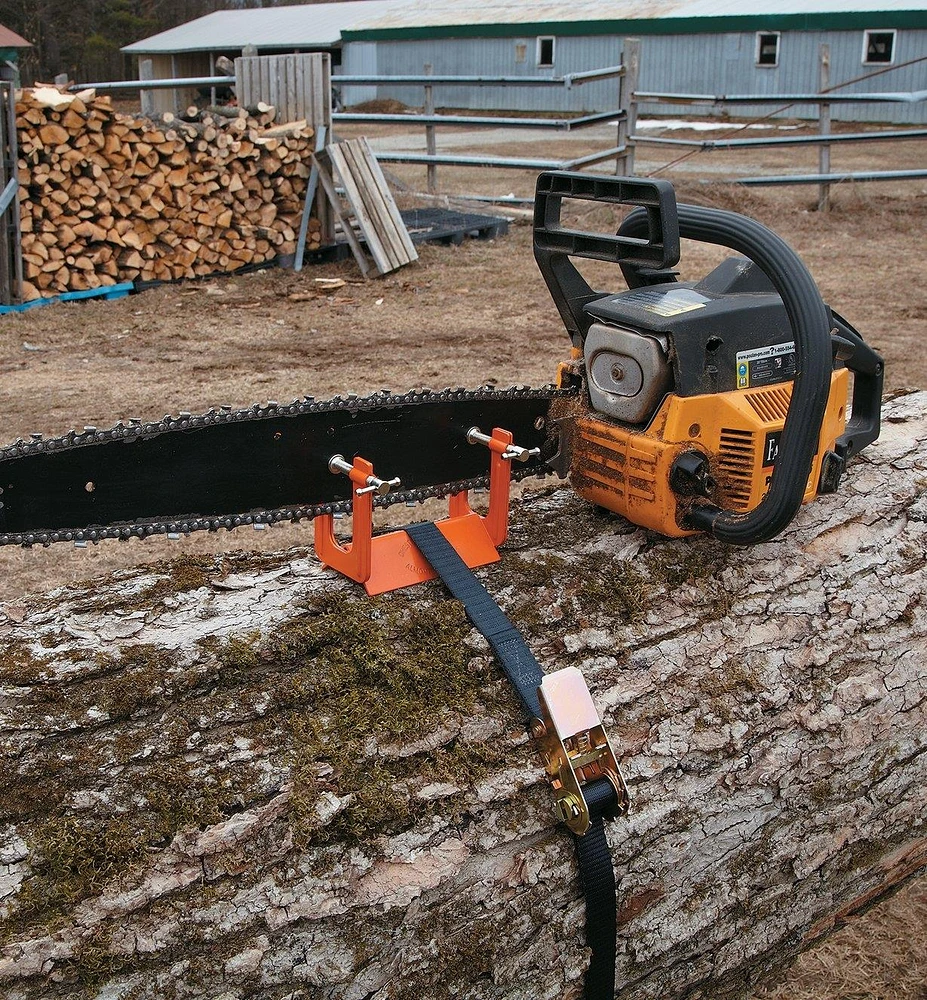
(108, 198)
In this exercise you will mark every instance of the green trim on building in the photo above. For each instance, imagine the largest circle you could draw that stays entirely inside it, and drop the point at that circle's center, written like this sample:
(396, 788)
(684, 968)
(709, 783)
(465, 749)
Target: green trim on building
(11, 54)
(852, 21)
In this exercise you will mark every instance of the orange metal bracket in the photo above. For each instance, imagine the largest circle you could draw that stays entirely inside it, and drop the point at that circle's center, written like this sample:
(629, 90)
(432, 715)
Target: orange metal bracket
(390, 561)
(354, 559)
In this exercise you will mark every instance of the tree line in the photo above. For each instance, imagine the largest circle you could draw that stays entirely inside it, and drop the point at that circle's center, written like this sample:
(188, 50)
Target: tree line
(82, 38)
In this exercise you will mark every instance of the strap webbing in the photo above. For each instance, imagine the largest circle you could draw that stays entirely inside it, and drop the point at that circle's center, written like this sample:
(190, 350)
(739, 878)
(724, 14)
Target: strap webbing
(598, 878)
(524, 671)
(517, 660)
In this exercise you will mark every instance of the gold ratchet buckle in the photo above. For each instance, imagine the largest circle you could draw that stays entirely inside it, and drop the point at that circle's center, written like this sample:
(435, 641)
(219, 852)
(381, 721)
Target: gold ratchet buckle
(575, 746)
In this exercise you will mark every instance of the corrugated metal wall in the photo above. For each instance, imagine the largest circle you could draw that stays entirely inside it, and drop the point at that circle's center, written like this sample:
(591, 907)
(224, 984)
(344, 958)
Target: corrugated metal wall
(725, 64)
(363, 61)
(496, 57)
(704, 63)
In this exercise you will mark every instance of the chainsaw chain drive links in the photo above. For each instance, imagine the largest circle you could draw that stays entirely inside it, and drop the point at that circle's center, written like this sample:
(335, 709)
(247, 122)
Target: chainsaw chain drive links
(137, 429)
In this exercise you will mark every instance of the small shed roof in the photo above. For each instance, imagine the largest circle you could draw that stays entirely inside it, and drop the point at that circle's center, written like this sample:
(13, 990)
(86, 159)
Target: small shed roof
(10, 40)
(475, 18)
(304, 26)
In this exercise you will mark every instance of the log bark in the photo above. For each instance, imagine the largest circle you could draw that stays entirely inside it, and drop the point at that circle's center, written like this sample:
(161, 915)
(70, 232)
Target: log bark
(242, 778)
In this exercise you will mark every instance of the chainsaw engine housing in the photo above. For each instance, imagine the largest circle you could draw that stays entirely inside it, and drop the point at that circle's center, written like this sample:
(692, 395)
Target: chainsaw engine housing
(675, 369)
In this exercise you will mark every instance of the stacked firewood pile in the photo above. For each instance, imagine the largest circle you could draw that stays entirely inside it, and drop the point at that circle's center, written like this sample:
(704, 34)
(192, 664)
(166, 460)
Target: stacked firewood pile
(108, 197)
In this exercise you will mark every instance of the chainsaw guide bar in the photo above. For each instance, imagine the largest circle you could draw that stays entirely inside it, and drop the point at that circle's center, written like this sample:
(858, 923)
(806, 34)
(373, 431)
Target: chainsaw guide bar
(259, 465)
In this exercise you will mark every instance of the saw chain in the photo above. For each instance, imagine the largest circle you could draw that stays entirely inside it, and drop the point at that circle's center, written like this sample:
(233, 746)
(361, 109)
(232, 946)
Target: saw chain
(184, 422)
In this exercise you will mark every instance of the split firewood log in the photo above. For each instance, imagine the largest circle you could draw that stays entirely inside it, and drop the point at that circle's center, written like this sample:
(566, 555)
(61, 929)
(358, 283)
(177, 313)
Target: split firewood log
(86, 170)
(242, 777)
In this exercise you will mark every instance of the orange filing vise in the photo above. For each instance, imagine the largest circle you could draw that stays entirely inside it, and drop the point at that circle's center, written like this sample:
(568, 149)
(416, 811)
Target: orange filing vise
(390, 561)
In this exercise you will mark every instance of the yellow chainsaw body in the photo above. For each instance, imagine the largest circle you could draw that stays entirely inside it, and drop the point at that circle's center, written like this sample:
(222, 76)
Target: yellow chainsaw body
(626, 469)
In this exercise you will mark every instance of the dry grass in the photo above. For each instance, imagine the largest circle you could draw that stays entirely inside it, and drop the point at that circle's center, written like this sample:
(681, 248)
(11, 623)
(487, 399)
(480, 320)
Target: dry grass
(881, 955)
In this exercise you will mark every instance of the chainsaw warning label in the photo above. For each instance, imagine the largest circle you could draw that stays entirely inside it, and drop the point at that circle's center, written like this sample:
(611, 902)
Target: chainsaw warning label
(672, 303)
(765, 365)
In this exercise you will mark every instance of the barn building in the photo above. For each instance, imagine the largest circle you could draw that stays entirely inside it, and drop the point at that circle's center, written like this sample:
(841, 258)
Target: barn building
(692, 46)
(11, 48)
(193, 49)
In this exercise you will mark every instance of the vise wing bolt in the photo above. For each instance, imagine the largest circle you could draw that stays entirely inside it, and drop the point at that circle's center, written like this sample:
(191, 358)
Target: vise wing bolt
(372, 484)
(511, 451)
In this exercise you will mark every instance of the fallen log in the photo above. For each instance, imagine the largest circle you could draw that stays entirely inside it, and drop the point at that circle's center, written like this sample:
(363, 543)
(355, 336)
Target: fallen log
(243, 778)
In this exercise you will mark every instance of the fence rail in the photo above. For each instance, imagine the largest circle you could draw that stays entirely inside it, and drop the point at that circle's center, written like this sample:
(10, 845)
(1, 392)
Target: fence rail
(823, 99)
(899, 97)
(556, 124)
(773, 180)
(504, 162)
(788, 140)
(166, 84)
(568, 81)
(436, 80)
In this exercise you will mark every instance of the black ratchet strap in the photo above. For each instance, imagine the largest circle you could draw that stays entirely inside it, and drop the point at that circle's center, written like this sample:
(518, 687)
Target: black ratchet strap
(524, 671)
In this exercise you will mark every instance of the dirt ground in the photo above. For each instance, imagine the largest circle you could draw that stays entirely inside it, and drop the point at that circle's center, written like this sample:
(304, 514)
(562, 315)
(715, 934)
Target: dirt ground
(463, 315)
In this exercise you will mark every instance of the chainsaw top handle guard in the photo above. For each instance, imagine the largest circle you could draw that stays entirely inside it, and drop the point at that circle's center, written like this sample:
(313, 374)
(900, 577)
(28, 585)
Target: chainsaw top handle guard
(653, 246)
(811, 323)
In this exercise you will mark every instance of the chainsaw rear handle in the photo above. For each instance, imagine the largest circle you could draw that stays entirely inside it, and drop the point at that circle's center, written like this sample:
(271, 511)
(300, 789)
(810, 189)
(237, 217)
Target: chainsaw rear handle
(653, 246)
(868, 375)
(810, 320)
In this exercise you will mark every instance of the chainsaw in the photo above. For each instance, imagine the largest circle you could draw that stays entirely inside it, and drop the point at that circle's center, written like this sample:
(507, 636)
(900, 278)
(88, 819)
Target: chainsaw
(716, 406)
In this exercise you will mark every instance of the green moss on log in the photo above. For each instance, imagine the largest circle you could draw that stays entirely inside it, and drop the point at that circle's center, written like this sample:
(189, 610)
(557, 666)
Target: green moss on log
(388, 671)
(331, 701)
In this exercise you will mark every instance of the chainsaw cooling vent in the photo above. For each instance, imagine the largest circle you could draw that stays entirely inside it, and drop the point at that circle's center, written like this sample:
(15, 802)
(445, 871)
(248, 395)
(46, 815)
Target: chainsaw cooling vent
(736, 461)
(771, 405)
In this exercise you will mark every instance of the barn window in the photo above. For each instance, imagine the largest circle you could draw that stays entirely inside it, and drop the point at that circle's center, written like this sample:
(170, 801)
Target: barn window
(767, 48)
(878, 46)
(546, 51)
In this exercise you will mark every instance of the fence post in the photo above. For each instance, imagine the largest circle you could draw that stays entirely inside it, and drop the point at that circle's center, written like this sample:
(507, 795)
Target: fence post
(6, 283)
(146, 72)
(627, 103)
(824, 129)
(10, 221)
(175, 93)
(212, 72)
(430, 145)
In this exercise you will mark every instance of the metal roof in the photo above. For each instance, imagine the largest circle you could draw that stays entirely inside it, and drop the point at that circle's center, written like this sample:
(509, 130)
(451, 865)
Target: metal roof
(10, 40)
(306, 26)
(473, 17)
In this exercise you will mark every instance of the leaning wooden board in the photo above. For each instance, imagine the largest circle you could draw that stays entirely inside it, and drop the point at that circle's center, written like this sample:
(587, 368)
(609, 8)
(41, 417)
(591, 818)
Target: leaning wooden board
(370, 200)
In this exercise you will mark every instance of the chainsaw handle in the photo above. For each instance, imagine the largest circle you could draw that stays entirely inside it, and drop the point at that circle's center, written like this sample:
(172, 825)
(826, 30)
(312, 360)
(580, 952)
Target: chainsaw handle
(868, 374)
(555, 244)
(811, 325)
